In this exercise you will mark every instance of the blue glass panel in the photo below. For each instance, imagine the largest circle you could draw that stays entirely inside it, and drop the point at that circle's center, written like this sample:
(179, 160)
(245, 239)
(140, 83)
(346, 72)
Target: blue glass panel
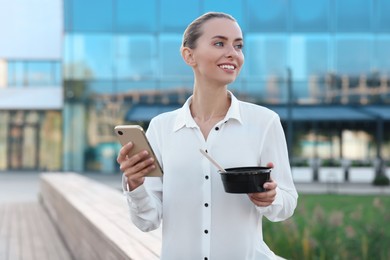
(16, 73)
(100, 87)
(353, 15)
(266, 55)
(171, 62)
(90, 57)
(234, 8)
(92, 15)
(383, 15)
(382, 55)
(39, 73)
(124, 86)
(68, 15)
(317, 55)
(353, 55)
(57, 73)
(136, 56)
(176, 16)
(309, 15)
(136, 16)
(267, 15)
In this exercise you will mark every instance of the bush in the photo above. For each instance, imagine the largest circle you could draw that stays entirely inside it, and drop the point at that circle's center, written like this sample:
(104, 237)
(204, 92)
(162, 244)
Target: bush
(381, 180)
(335, 227)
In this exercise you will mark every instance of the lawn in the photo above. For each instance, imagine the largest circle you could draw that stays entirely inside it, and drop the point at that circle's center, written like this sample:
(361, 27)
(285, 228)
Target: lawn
(333, 226)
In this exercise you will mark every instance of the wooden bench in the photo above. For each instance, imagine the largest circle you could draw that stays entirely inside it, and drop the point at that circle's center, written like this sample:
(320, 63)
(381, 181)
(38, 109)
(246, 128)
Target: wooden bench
(93, 219)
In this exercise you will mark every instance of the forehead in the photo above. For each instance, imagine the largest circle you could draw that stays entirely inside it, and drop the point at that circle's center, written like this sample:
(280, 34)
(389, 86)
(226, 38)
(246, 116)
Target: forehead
(221, 27)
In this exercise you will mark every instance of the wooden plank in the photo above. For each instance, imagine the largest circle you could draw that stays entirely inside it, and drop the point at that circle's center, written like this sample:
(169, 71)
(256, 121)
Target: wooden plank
(4, 229)
(55, 247)
(101, 217)
(14, 235)
(26, 247)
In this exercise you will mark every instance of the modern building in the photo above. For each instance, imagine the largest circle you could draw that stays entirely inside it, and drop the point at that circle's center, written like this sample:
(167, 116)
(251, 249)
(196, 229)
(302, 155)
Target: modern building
(323, 65)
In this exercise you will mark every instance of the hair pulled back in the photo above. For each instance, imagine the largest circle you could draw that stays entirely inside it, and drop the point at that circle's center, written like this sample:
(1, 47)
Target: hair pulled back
(194, 29)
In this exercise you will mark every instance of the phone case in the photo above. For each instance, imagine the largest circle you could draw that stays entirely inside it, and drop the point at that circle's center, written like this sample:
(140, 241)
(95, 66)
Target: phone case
(136, 134)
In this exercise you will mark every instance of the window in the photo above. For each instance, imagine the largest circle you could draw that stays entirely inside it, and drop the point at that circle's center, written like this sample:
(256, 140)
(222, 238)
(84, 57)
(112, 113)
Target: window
(175, 16)
(234, 8)
(310, 16)
(135, 57)
(353, 15)
(89, 56)
(266, 55)
(353, 55)
(136, 16)
(90, 15)
(382, 55)
(171, 62)
(267, 15)
(383, 15)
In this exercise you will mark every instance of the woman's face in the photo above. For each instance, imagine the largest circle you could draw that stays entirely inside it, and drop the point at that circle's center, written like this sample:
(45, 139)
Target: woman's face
(218, 55)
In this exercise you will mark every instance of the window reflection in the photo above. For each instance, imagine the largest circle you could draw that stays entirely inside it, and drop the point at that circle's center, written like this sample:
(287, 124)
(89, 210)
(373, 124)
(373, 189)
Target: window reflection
(353, 15)
(267, 15)
(383, 15)
(90, 57)
(33, 73)
(234, 8)
(171, 62)
(268, 55)
(135, 16)
(310, 16)
(135, 57)
(353, 54)
(91, 15)
(175, 17)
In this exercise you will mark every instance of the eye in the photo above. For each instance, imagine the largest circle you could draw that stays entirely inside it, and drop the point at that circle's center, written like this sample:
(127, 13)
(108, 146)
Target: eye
(219, 44)
(239, 46)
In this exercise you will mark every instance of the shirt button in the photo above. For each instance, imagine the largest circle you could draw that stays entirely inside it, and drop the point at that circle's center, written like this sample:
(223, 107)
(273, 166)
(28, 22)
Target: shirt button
(206, 177)
(206, 231)
(205, 258)
(216, 128)
(206, 205)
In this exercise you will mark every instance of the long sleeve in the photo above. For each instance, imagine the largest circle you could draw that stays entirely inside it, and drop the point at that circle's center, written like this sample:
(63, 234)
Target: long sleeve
(275, 151)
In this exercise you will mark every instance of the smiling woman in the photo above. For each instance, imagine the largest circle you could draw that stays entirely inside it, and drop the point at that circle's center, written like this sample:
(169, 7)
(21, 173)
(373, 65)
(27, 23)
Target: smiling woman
(235, 133)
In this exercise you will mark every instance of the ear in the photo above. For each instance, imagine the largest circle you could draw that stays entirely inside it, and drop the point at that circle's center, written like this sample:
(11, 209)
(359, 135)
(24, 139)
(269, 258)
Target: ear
(188, 56)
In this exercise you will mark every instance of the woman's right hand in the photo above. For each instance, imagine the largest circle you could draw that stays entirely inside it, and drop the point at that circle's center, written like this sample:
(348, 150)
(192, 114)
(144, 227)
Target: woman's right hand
(135, 168)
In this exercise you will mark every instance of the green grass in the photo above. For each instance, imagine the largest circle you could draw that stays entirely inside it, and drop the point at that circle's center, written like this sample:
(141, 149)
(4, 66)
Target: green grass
(333, 227)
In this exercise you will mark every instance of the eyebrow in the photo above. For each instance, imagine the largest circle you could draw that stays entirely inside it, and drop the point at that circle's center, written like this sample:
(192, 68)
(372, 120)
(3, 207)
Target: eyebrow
(225, 38)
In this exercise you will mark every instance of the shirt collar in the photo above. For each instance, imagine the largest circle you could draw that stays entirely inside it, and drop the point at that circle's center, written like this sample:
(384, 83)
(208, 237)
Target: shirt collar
(184, 117)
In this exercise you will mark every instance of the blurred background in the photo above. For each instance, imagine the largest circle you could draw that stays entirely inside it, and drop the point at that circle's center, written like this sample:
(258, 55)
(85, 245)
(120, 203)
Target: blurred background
(72, 70)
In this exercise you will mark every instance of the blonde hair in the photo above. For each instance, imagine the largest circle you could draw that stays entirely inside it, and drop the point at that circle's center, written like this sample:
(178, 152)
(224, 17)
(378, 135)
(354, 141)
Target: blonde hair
(194, 29)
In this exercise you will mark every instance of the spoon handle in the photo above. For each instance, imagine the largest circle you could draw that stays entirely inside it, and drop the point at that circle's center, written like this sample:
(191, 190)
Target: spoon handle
(212, 161)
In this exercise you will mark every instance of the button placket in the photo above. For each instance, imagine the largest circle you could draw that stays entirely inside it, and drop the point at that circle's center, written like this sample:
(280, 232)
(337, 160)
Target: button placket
(206, 212)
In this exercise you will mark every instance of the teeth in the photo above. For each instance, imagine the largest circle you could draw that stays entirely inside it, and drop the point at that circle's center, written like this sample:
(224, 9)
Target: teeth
(229, 67)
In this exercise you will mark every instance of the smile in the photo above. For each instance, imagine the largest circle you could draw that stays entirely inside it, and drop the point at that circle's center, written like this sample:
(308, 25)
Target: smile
(227, 67)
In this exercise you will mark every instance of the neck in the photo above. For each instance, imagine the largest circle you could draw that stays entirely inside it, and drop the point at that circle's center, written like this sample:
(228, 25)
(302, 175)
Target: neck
(208, 103)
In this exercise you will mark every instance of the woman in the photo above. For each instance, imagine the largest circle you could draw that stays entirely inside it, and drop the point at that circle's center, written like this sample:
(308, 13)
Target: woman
(201, 220)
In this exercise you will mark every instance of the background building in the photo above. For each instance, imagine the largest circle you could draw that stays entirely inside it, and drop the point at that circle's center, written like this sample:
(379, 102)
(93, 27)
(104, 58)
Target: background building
(31, 98)
(323, 65)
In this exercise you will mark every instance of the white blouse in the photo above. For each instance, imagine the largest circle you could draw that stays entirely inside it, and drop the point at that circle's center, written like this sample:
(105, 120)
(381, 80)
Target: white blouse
(201, 220)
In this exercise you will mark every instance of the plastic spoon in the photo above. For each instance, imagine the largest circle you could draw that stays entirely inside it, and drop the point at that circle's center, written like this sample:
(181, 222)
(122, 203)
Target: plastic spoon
(212, 160)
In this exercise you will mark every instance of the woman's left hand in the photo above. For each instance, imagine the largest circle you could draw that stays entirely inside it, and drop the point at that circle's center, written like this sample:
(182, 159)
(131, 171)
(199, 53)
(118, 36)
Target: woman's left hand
(265, 198)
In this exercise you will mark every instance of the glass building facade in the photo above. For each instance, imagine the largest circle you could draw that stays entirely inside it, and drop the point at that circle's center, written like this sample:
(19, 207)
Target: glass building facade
(121, 64)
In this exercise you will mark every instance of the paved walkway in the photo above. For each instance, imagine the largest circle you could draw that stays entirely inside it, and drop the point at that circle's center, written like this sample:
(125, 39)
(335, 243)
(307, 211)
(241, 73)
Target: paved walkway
(26, 231)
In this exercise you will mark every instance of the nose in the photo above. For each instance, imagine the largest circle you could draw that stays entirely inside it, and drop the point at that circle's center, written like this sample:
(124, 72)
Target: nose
(231, 52)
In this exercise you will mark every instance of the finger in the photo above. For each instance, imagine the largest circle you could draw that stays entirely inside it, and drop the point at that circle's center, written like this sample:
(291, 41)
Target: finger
(142, 166)
(270, 185)
(123, 152)
(270, 164)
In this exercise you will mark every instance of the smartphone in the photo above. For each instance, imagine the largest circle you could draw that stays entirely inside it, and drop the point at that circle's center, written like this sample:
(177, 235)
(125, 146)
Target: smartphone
(136, 134)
